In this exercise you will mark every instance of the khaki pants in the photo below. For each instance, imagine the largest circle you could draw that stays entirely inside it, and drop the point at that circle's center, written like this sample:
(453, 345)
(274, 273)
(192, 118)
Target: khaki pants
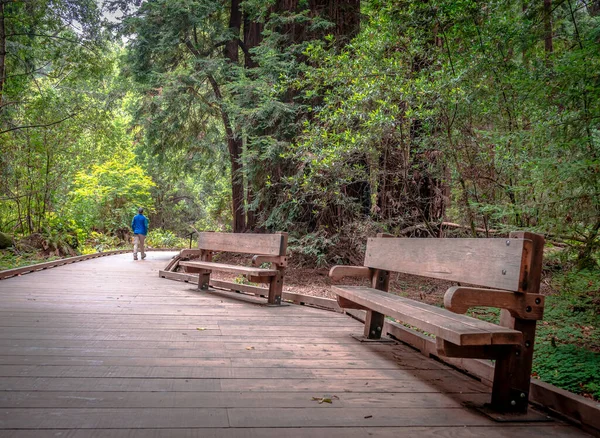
(138, 240)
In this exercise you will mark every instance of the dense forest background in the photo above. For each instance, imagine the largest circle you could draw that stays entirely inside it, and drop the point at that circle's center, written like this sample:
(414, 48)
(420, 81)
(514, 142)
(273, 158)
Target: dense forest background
(332, 120)
(328, 119)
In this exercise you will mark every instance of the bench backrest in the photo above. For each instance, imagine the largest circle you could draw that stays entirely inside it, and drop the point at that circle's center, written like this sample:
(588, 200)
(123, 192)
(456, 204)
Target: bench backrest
(263, 244)
(512, 263)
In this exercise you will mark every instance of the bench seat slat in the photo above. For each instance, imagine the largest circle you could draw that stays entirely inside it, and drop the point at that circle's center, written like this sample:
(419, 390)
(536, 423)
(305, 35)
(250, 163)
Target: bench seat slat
(246, 270)
(459, 329)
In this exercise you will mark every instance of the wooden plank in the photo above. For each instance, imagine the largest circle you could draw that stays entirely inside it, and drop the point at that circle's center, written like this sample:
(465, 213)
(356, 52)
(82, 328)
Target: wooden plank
(249, 361)
(326, 303)
(355, 417)
(497, 261)
(458, 329)
(540, 430)
(178, 276)
(266, 244)
(448, 349)
(447, 384)
(147, 343)
(205, 372)
(107, 384)
(242, 356)
(582, 410)
(532, 261)
(246, 270)
(52, 264)
(108, 418)
(71, 399)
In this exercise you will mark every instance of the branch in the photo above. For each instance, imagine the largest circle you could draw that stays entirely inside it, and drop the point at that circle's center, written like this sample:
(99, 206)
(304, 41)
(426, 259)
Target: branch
(244, 48)
(44, 36)
(197, 53)
(31, 72)
(40, 126)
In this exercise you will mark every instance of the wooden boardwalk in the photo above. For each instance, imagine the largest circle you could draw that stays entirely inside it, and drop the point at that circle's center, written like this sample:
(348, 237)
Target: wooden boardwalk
(106, 348)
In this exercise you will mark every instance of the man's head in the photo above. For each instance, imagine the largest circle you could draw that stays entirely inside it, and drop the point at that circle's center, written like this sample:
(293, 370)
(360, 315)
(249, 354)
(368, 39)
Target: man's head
(140, 210)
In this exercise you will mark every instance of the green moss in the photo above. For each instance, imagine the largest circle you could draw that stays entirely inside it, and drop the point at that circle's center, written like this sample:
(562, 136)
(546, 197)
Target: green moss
(569, 367)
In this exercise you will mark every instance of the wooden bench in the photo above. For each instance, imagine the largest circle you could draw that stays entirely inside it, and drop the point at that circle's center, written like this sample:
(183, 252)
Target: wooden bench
(509, 272)
(267, 248)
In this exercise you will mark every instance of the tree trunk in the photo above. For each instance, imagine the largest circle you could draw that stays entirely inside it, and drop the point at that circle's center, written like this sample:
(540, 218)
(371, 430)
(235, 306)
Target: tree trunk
(2, 50)
(237, 187)
(252, 38)
(234, 146)
(345, 15)
(234, 143)
(548, 45)
(235, 23)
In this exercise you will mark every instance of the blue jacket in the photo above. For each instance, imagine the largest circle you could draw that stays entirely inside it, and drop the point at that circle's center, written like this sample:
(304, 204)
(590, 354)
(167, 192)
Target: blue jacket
(139, 224)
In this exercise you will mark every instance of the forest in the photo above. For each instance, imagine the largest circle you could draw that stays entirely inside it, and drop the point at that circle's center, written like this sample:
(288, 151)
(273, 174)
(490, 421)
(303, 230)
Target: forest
(331, 120)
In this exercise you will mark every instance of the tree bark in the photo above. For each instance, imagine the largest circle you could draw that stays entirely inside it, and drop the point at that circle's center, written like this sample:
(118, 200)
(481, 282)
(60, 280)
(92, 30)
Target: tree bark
(344, 14)
(235, 23)
(2, 50)
(234, 143)
(252, 38)
(548, 44)
(234, 146)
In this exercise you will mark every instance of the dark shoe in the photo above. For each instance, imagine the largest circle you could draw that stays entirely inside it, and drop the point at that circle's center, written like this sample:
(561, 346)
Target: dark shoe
(144, 256)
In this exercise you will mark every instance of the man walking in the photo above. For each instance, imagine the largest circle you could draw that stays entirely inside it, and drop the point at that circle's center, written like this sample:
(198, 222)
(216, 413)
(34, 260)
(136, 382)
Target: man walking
(139, 225)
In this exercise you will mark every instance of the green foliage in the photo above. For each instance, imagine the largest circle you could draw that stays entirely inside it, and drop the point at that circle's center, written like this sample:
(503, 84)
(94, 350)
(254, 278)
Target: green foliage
(100, 242)
(11, 259)
(5, 241)
(569, 367)
(108, 196)
(311, 249)
(573, 315)
(159, 238)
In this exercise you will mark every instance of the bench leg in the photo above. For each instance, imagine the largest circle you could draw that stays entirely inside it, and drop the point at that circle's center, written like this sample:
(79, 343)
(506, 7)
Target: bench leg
(275, 289)
(203, 280)
(512, 373)
(374, 324)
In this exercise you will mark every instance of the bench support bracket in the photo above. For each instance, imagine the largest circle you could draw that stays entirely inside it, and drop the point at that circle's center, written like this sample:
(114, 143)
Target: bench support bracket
(374, 324)
(512, 373)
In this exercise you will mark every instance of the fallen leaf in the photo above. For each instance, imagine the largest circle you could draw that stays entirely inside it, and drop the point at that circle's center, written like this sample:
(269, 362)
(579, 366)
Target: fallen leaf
(249, 348)
(200, 328)
(325, 399)
(369, 416)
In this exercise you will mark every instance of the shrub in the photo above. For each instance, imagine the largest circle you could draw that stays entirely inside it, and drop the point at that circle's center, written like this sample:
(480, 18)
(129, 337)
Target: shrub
(159, 238)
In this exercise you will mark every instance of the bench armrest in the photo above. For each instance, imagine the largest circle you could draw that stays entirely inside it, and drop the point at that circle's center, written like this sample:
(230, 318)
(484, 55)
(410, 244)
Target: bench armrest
(459, 299)
(280, 261)
(340, 271)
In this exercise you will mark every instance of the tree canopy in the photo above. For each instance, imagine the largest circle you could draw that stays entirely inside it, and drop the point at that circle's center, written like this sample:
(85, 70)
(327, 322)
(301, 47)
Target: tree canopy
(321, 118)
